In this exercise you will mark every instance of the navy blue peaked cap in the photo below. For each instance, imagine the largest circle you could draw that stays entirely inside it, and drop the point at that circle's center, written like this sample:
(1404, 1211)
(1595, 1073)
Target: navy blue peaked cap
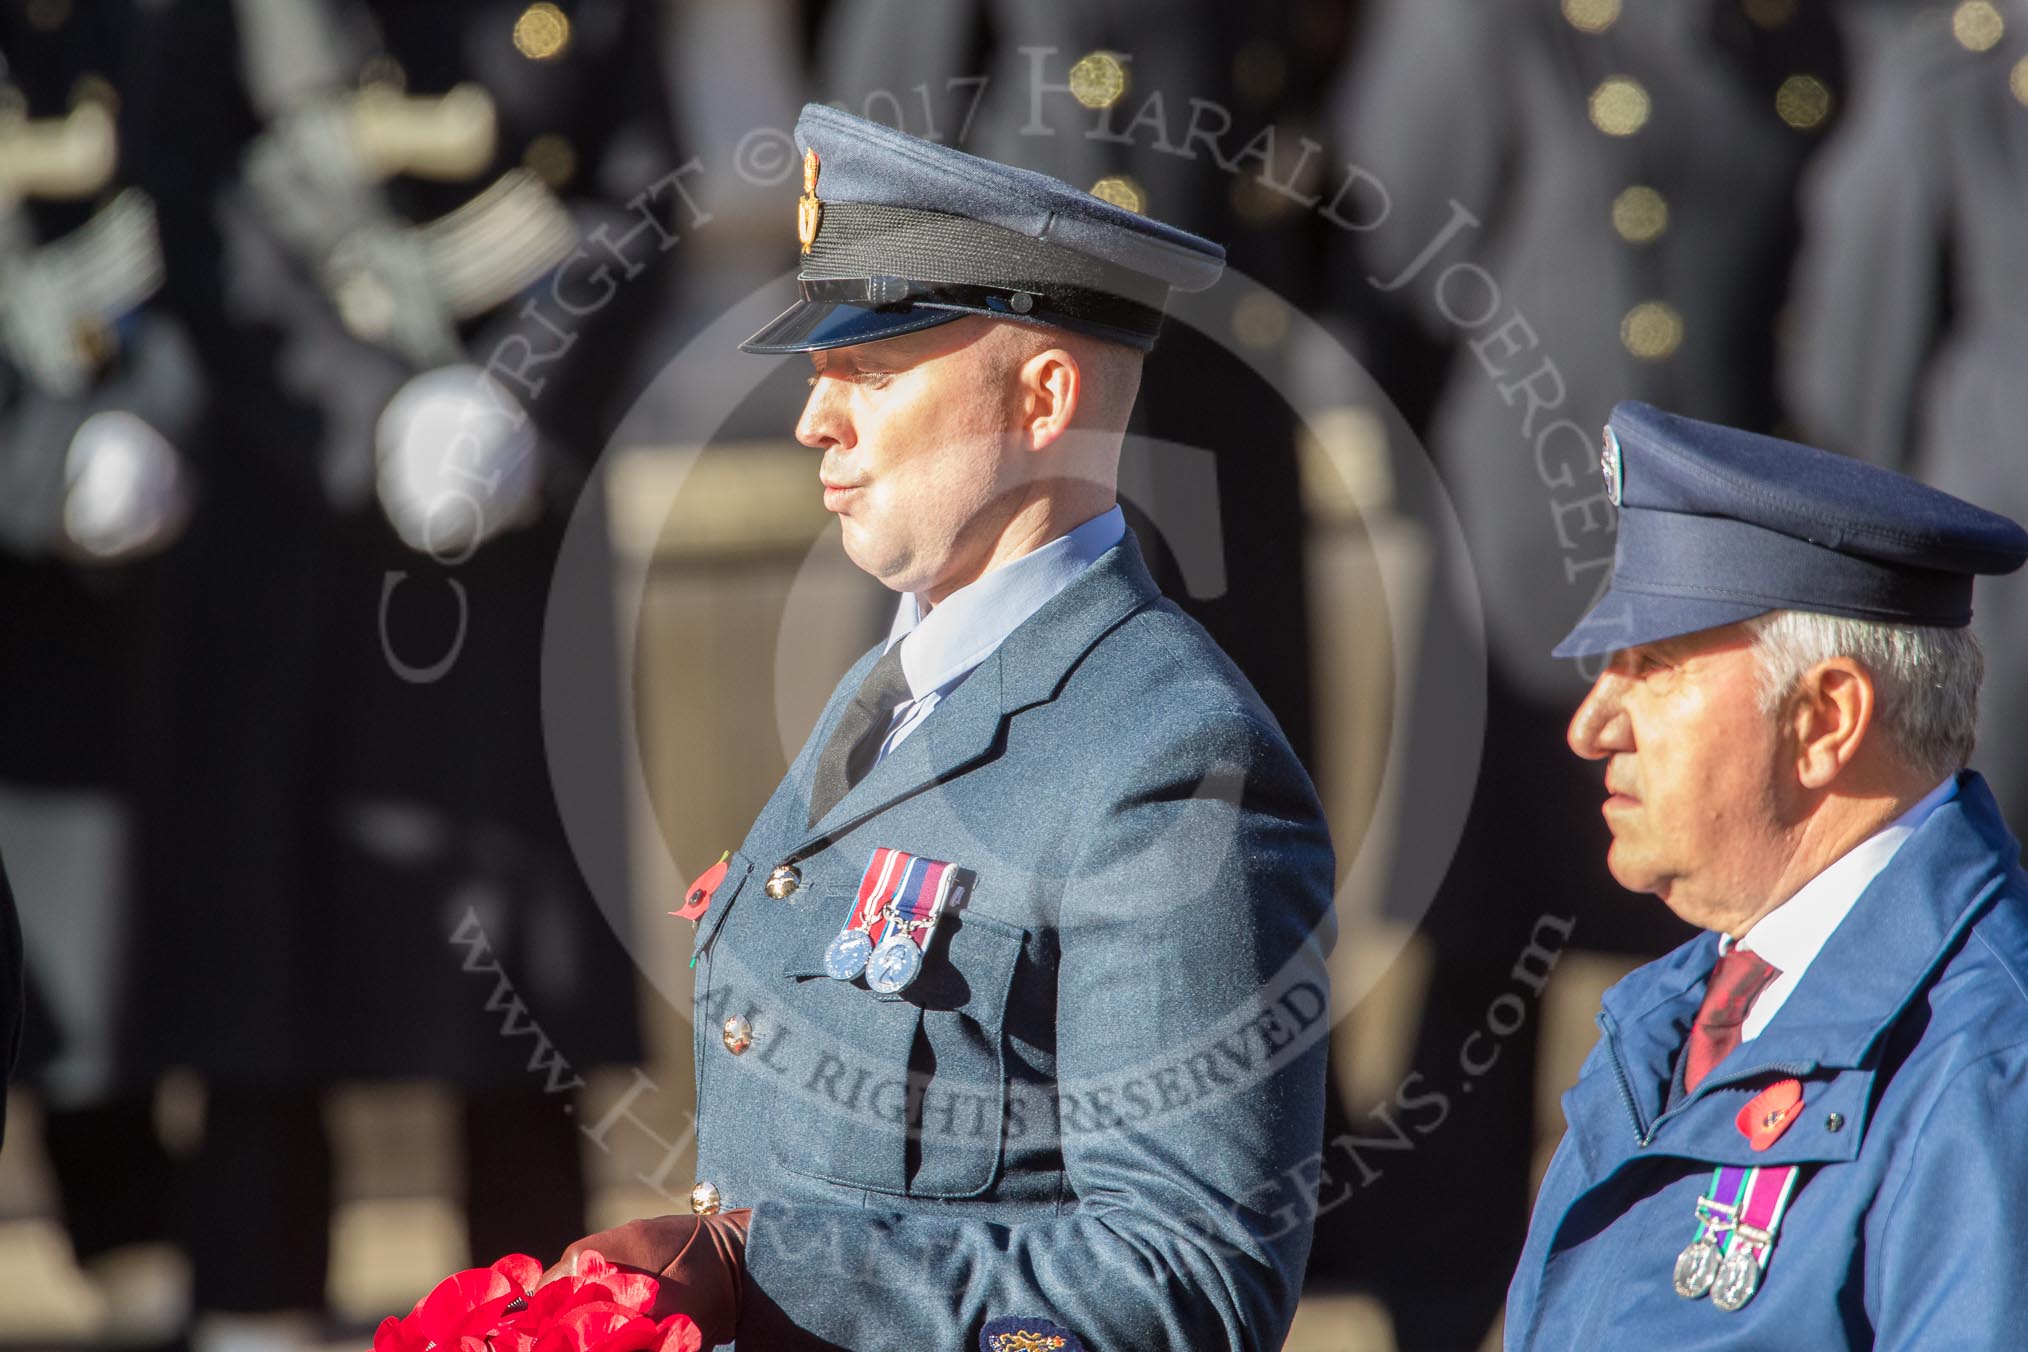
(1719, 525)
(899, 234)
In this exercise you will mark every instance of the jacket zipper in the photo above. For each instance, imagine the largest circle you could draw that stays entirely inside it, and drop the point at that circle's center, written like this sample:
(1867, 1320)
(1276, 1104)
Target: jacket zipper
(1612, 1037)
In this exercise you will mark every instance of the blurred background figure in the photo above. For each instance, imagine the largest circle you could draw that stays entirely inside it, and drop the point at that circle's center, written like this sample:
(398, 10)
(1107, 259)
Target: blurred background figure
(345, 796)
(1585, 201)
(370, 226)
(101, 392)
(1907, 341)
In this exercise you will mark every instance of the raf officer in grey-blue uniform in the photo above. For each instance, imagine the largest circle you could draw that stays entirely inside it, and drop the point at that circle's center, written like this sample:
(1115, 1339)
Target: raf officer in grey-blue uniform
(1804, 1127)
(1010, 1006)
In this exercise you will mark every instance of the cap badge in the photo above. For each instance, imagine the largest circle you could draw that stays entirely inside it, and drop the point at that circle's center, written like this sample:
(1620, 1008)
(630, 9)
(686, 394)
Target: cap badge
(1608, 464)
(808, 209)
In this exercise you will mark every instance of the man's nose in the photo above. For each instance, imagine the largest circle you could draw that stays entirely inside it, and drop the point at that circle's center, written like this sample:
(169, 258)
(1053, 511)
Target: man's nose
(1598, 728)
(824, 424)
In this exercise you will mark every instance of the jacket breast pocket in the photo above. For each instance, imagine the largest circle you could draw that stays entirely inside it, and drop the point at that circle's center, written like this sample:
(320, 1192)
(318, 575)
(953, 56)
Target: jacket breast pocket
(906, 1093)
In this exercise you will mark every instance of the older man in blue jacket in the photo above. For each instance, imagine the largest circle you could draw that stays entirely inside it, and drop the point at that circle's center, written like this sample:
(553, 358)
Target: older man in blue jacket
(1010, 1007)
(1807, 1128)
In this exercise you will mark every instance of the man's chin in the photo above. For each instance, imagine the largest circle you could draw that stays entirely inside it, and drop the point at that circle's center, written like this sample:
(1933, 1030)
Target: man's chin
(1664, 887)
(884, 570)
(1633, 875)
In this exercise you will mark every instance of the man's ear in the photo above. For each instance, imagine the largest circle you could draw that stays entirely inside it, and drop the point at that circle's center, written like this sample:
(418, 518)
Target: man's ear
(1052, 388)
(1830, 716)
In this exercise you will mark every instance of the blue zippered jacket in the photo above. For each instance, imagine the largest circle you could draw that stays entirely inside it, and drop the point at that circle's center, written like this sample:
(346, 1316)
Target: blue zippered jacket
(1909, 1224)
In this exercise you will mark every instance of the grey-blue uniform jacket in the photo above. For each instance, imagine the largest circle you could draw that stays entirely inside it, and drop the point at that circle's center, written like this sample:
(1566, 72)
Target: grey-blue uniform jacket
(1093, 1108)
(1909, 1224)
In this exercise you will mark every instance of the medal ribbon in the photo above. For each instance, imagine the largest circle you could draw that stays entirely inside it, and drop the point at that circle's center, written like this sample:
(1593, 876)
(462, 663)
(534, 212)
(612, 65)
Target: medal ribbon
(1719, 1208)
(884, 871)
(1761, 1210)
(921, 897)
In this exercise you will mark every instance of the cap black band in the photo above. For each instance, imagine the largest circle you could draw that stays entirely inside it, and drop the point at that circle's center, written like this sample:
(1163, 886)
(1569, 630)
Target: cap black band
(1070, 307)
(872, 254)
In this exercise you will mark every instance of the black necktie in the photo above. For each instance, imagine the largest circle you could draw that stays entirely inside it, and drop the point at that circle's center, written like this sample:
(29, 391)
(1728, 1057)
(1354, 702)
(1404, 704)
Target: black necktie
(861, 729)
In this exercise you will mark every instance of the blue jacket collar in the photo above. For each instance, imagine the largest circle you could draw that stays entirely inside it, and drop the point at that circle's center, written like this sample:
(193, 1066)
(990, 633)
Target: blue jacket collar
(1901, 929)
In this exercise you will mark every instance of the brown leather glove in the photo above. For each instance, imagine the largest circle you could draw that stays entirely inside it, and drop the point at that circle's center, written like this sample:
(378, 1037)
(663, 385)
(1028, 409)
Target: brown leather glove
(698, 1262)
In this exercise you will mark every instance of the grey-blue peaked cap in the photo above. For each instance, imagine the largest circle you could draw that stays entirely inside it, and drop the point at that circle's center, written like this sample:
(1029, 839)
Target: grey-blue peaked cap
(909, 233)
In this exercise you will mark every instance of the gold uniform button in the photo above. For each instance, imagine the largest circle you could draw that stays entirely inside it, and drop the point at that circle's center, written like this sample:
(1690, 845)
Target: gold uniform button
(1770, 14)
(1620, 105)
(1591, 16)
(1122, 191)
(737, 1035)
(1803, 101)
(1978, 25)
(542, 32)
(551, 158)
(704, 1199)
(1098, 80)
(784, 880)
(1652, 330)
(1640, 215)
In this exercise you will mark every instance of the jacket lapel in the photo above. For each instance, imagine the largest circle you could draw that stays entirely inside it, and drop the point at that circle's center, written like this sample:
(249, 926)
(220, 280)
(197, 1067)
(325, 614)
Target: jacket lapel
(1025, 670)
(1903, 927)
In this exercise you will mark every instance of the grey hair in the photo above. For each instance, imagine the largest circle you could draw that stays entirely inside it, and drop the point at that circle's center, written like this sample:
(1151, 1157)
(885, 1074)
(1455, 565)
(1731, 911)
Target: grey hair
(1926, 679)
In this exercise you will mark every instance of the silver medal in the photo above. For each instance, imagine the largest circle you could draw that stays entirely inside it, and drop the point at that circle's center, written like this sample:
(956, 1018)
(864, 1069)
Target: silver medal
(1696, 1268)
(846, 957)
(894, 964)
(1738, 1277)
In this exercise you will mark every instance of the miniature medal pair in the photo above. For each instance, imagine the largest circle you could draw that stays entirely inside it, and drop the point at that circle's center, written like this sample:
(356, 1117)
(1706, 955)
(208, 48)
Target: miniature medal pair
(900, 900)
(1741, 1211)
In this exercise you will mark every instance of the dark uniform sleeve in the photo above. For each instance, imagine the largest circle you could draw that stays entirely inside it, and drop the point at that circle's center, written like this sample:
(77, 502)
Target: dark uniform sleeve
(1869, 290)
(1191, 1005)
(1425, 108)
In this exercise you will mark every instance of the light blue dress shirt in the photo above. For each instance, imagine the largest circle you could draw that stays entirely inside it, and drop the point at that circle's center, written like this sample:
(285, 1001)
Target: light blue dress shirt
(942, 646)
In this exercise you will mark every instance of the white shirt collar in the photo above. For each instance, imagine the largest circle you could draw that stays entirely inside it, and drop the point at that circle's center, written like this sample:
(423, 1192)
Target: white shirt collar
(942, 646)
(1793, 933)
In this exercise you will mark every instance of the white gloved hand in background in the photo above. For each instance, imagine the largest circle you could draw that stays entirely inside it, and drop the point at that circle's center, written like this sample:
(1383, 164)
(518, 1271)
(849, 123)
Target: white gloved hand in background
(127, 491)
(457, 461)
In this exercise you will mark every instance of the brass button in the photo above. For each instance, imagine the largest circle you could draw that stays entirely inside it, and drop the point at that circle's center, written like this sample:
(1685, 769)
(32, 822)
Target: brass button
(1652, 330)
(1122, 191)
(1978, 25)
(783, 881)
(542, 32)
(1803, 101)
(1620, 105)
(1640, 214)
(737, 1035)
(704, 1199)
(1770, 14)
(1098, 80)
(551, 158)
(1591, 16)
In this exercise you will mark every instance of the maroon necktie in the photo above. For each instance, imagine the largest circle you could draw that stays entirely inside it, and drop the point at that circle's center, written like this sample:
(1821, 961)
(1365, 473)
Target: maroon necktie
(1736, 979)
